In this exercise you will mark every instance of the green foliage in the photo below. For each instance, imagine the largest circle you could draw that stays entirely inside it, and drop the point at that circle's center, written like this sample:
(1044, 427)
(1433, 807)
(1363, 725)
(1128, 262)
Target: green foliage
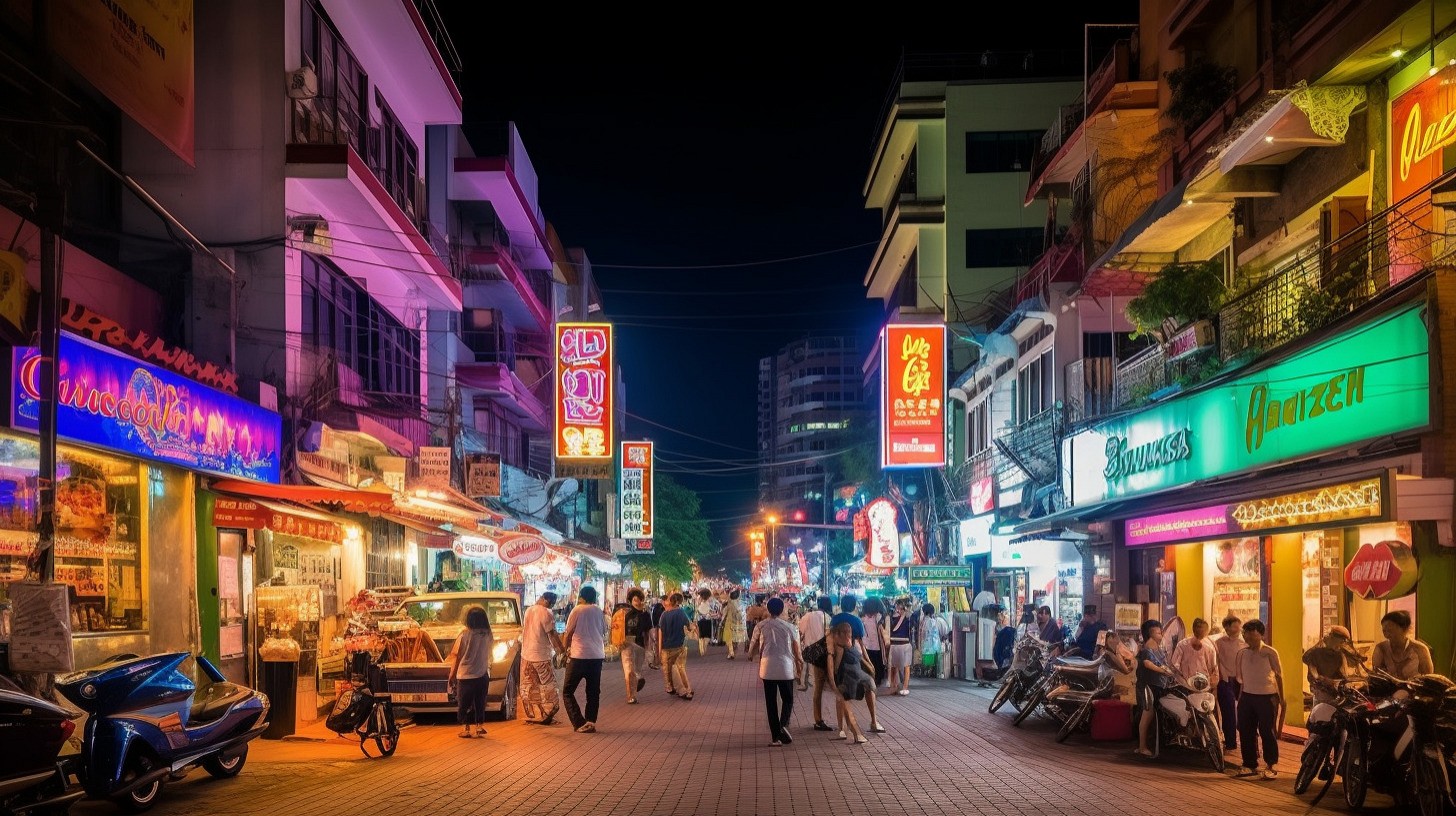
(681, 536)
(1197, 90)
(1202, 366)
(1182, 292)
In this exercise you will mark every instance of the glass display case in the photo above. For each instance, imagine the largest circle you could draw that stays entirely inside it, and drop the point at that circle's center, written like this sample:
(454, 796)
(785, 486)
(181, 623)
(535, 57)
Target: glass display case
(288, 620)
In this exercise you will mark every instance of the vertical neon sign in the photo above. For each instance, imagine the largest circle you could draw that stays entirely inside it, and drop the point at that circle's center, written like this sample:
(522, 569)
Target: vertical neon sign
(584, 398)
(912, 396)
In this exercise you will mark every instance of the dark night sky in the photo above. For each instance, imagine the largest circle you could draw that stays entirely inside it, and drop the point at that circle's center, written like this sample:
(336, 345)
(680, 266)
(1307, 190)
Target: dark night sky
(714, 178)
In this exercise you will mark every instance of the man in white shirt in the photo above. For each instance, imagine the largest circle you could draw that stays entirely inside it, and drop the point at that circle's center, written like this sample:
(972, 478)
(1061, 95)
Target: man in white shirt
(586, 648)
(1194, 655)
(538, 674)
(1228, 648)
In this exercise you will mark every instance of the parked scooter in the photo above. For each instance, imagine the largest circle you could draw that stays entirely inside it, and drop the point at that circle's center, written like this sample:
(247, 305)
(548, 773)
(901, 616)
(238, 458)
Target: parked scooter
(1185, 718)
(1396, 747)
(151, 721)
(33, 778)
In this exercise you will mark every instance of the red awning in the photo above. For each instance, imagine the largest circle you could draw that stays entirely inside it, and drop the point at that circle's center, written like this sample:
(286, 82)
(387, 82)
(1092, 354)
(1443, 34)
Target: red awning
(263, 515)
(358, 501)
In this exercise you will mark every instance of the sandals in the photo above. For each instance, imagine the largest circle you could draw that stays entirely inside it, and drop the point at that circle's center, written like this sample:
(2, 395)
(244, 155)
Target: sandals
(1269, 773)
(688, 696)
(861, 739)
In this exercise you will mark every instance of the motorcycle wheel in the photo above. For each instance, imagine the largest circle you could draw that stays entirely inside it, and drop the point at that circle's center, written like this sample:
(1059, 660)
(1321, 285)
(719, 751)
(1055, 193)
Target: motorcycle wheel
(1427, 786)
(1032, 701)
(1314, 756)
(1356, 771)
(1073, 722)
(386, 731)
(221, 767)
(1002, 695)
(1157, 729)
(1212, 743)
(141, 799)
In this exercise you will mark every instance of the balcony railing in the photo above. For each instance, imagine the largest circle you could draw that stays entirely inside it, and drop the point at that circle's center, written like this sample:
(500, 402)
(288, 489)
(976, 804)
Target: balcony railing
(980, 465)
(1089, 388)
(325, 120)
(1034, 446)
(435, 25)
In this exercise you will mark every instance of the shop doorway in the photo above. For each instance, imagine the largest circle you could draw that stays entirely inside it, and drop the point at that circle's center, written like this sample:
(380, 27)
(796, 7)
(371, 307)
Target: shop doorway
(234, 576)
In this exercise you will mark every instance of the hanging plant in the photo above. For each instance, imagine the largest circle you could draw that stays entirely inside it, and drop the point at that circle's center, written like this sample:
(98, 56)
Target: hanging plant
(1180, 294)
(1197, 90)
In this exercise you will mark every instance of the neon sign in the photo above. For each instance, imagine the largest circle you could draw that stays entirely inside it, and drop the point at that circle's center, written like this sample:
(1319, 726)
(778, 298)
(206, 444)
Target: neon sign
(912, 402)
(113, 401)
(635, 490)
(1344, 503)
(584, 381)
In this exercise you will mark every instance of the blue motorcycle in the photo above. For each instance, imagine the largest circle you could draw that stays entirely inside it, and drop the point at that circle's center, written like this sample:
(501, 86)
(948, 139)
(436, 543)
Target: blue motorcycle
(155, 718)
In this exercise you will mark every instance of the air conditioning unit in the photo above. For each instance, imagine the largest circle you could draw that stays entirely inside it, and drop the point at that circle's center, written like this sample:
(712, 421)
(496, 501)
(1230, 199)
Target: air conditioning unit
(302, 84)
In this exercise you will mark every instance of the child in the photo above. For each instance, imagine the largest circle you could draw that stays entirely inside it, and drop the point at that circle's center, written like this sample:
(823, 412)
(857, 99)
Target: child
(850, 680)
(1261, 700)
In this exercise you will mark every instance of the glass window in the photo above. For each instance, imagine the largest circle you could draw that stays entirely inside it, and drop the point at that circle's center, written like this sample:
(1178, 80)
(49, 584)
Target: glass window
(362, 335)
(1017, 246)
(99, 534)
(1001, 152)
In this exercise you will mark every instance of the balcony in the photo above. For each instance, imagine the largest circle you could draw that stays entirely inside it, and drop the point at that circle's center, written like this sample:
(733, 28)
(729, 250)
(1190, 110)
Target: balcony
(1064, 262)
(964, 477)
(407, 51)
(1033, 448)
(900, 241)
(505, 178)
(494, 279)
(496, 382)
(1089, 388)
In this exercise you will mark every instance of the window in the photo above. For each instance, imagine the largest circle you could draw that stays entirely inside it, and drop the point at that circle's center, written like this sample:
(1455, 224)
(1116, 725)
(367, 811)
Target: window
(342, 83)
(1001, 152)
(1034, 387)
(339, 317)
(1017, 246)
(978, 428)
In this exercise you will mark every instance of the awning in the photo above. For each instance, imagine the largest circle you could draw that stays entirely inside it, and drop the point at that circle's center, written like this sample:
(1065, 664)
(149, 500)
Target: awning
(358, 501)
(261, 514)
(1306, 116)
(1052, 534)
(1164, 228)
(601, 561)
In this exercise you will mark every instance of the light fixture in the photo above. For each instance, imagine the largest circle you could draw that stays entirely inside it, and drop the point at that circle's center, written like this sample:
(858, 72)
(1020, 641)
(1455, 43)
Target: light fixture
(1269, 139)
(1397, 53)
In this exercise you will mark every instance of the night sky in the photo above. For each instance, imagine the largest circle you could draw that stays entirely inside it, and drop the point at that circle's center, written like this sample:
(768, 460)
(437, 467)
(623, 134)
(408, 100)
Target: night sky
(713, 174)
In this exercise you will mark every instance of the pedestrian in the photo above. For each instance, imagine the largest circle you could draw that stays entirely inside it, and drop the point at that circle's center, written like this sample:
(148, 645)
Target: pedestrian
(1154, 677)
(1400, 654)
(758, 613)
(1003, 649)
(707, 610)
(636, 624)
(1228, 648)
(902, 647)
(586, 649)
(654, 647)
(732, 631)
(847, 666)
(847, 605)
(814, 627)
(776, 641)
(1261, 700)
(674, 655)
(877, 637)
(1196, 655)
(470, 671)
(538, 673)
(1048, 628)
(932, 636)
(1329, 662)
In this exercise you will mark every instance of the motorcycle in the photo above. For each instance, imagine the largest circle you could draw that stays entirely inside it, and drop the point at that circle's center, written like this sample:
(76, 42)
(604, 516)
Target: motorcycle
(33, 778)
(1185, 718)
(1328, 724)
(1027, 667)
(1073, 706)
(152, 721)
(1396, 747)
(1063, 676)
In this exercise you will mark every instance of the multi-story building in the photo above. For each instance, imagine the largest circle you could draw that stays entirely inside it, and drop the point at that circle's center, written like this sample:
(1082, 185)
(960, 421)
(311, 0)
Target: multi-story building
(1278, 450)
(810, 400)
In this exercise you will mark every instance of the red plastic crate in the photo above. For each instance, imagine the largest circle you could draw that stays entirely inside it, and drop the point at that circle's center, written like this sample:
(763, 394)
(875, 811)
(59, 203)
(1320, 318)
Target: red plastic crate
(1111, 720)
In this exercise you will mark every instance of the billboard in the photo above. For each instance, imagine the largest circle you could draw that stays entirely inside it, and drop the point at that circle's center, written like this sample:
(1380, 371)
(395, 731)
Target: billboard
(114, 401)
(635, 490)
(883, 549)
(912, 396)
(483, 476)
(584, 399)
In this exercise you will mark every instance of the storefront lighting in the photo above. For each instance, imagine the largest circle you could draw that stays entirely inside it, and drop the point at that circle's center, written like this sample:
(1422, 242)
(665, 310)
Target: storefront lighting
(1397, 53)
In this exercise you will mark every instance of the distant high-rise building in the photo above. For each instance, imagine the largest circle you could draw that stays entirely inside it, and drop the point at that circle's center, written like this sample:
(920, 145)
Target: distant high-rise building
(810, 394)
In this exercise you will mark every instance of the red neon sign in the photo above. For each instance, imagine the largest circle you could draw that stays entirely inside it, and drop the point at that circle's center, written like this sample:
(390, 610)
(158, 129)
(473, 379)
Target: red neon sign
(584, 398)
(912, 401)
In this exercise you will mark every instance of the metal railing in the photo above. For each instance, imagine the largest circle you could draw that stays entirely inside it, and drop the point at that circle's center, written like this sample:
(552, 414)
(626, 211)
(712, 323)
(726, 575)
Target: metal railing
(1140, 375)
(1089, 388)
(1034, 446)
(435, 25)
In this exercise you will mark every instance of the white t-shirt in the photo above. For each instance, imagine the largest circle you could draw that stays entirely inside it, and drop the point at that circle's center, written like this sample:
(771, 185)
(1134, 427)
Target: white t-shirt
(586, 632)
(775, 638)
(536, 631)
(985, 598)
(812, 626)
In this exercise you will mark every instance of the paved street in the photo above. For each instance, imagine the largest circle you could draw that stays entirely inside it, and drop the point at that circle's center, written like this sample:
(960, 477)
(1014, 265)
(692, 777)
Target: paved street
(943, 754)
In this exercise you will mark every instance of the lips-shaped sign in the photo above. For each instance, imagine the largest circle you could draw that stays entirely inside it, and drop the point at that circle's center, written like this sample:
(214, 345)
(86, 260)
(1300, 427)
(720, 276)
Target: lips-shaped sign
(1383, 570)
(523, 549)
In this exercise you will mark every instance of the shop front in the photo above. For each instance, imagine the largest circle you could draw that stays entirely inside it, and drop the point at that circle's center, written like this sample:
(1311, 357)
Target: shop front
(1262, 496)
(132, 437)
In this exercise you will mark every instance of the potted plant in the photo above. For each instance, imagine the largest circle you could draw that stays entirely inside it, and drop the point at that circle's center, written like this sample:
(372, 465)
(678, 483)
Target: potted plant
(1197, 90)
(1179, 295)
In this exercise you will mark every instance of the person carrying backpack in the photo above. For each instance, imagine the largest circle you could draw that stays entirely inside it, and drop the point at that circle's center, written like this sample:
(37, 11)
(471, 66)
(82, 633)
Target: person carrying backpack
(631, 624)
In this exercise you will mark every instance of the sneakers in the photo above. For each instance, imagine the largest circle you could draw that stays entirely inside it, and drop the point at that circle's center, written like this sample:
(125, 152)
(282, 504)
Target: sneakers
(903, 692)
(785, 738)
(820, 725)
(641, 681)
(587, 728)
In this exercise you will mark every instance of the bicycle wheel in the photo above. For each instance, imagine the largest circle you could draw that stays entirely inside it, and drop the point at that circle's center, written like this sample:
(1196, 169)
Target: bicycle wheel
(386, 730)
(1428, 786)
(1316, 753)
(1073, 722)
(1356, 771)
(1212, 743)
(1002, 695)
(1032, 701)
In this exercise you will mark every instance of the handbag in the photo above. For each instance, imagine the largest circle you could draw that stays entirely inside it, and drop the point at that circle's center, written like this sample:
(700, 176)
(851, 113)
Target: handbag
(817, 653)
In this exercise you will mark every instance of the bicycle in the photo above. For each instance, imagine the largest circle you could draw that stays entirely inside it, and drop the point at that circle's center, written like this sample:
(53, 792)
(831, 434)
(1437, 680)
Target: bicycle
(366, 714)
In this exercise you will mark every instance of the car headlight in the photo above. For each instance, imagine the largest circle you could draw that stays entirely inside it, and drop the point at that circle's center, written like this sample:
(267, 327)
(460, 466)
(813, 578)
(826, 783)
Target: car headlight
(499, 651)
(89, 691)
(1206, 706)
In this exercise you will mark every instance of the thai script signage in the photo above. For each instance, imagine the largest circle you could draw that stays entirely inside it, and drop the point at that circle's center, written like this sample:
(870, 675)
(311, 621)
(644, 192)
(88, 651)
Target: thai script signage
(433, 466)
(940, 575)
(95, 326)
(249, 515)
(883, 549)
(912, 396)
(584, 399)
(1345, 503)
(1368, 382)
(474, 547)
(1382, 570)
(113, 401)
(635, 490)
(483, 476)
(522, 549)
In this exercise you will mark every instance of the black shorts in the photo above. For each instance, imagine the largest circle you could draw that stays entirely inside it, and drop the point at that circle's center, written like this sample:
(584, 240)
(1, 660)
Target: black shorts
(705, 628)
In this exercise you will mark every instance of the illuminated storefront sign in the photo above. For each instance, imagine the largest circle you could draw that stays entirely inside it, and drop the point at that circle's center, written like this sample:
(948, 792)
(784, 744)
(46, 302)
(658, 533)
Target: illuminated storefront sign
(1382, 570)
(95, 326)
(635, 490)
(883, 549)
(1422, 127)
(519, 550)
(912, 402)
(1335, 505)
(113, 401)
(1368, 382)
(584, 399)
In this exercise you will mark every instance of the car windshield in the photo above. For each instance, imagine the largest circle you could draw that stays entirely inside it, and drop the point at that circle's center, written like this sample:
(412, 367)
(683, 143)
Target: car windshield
(452, 611)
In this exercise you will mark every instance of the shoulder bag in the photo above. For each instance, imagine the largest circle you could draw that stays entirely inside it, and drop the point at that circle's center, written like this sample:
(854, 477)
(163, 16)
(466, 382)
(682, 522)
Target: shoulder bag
(817, 653)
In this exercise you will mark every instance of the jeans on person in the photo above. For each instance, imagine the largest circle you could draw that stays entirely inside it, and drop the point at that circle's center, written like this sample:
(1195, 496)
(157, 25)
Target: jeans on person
(470, 699)
(1228, 708)
(778, 700)
(1257, 713)
(675, 670)
(577, 670)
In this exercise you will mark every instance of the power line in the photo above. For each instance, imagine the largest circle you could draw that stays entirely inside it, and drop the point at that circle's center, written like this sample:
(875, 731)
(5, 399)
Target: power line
(689, 435)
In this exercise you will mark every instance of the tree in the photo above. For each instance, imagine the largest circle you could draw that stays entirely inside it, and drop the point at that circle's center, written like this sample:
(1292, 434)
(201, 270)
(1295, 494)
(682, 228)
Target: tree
(681, 535)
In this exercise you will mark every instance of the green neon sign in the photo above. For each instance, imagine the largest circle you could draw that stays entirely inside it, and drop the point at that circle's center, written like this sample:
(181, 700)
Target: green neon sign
(1371, 381)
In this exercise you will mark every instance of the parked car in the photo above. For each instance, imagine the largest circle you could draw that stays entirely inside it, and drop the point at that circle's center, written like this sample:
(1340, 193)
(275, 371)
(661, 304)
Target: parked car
(422, 687)
(388, 599)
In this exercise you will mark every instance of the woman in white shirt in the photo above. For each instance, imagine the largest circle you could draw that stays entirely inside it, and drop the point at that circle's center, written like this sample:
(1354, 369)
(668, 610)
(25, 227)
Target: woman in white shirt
(776, 641)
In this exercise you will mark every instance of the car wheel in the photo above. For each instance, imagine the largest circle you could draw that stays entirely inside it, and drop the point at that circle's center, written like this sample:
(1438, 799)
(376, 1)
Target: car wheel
(141, 799)
(226, 767)
(508, 697)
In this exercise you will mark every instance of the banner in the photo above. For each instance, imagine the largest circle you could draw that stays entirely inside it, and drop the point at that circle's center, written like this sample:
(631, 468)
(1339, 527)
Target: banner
(883, 549)
(912, 396)
(635, 490)
(433, 464)
(758, 558)
(584, 402)
(138, 53)
(483, 476)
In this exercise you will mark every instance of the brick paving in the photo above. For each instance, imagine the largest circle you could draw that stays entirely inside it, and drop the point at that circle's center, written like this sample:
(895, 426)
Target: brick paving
(943, 754)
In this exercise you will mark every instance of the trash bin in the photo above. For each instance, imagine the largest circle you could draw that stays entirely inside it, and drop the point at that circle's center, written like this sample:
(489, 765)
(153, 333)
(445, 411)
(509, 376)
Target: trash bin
(280, 683)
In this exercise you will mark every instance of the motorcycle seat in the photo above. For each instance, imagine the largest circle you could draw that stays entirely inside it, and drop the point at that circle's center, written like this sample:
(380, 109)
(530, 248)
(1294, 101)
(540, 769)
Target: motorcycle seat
(1078, 663)
(213, 701)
